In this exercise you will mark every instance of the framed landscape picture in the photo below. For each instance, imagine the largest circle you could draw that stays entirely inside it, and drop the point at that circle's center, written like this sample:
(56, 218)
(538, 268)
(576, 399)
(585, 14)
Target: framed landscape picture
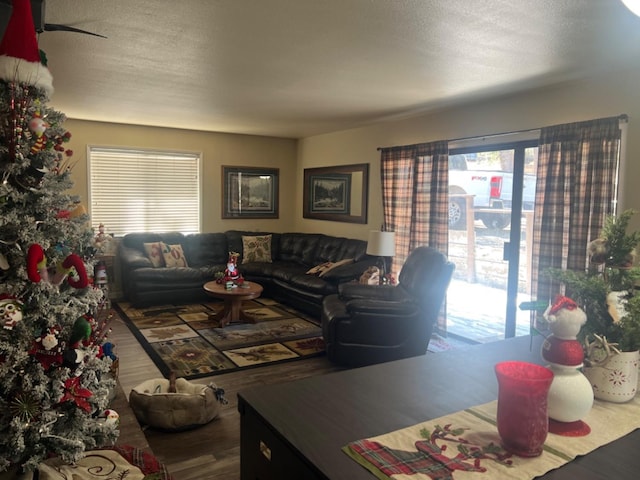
(336, 193)
(330, 193)
(249, 192)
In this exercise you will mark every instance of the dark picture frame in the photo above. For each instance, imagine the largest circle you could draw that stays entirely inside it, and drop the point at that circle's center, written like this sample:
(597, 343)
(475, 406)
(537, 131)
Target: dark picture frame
(338, 194)
(249, 192)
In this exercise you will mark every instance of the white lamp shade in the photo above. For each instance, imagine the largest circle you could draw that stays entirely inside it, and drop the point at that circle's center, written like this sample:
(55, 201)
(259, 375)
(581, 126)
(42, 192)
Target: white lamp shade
(381, 244)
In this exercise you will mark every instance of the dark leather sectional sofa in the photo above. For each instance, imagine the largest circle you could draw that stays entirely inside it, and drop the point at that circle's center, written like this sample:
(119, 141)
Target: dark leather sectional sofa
(284, 279)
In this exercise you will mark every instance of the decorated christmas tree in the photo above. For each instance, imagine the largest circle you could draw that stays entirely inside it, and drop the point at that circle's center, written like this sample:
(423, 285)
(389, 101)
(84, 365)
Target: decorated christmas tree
(55, 369)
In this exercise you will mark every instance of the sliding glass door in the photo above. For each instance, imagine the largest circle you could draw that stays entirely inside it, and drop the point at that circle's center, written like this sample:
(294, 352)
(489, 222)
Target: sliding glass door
(491, 204)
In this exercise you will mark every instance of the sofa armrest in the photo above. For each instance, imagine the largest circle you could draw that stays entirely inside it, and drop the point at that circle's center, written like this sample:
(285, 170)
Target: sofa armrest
(131, 258)
(351, 291)
(382, 308)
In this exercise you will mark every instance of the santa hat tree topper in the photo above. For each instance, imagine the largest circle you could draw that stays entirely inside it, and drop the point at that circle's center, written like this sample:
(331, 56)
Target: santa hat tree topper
(19, 54)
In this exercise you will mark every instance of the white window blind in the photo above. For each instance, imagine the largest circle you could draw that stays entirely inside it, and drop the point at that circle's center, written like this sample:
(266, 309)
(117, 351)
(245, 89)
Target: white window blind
(135, 190)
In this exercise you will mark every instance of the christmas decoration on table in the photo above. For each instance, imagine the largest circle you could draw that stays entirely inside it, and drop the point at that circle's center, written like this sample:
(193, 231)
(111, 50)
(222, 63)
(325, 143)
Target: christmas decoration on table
(570, 396)
(606, 291)
(54, 375)
(231, 275)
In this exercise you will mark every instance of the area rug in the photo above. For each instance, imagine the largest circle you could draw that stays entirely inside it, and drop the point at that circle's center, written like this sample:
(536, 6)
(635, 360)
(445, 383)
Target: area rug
(182, 339)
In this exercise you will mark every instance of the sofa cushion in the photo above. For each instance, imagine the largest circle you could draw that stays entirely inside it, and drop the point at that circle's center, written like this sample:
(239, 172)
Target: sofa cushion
(174, 255)
(332, 249)
(153, 250)
(256, 248)
(168, 278)
(311, 284)
(300, 248)
(205, 249)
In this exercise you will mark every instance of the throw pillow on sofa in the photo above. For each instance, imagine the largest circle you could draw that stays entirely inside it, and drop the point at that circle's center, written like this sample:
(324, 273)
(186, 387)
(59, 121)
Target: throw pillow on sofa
(318, 269)
(154, 253)
(335, 265)
(174, 255)
(324, 268)
(256, 248)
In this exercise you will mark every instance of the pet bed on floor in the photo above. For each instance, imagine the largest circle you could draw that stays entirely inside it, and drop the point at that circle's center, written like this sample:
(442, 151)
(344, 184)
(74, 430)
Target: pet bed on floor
(160, 404)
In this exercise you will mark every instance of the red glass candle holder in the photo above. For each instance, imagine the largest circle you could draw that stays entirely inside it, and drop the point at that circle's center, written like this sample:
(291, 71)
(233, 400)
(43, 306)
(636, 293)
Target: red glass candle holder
(523, 421)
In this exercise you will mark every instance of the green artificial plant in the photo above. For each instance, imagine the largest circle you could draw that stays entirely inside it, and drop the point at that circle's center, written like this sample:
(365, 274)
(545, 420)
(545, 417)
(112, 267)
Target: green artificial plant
(606, 290)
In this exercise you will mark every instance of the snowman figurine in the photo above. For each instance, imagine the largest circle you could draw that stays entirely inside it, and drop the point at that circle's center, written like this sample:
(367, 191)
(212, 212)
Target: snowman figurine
(570, 396)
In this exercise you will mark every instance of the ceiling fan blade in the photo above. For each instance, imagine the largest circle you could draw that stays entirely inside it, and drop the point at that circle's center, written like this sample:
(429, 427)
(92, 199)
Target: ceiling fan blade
(54, 27)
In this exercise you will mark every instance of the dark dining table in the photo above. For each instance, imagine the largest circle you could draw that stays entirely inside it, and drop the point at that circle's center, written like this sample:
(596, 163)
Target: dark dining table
(297, 430)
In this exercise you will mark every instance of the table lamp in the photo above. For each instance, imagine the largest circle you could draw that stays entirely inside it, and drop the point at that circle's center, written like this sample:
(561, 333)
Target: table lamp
(381, 244)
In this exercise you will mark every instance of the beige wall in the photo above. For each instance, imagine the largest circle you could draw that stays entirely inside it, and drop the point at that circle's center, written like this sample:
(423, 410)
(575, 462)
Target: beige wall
(570, 102)
(217, 149)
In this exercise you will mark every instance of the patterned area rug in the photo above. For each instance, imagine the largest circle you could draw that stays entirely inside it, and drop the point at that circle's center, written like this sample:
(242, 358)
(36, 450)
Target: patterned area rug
(182, 338)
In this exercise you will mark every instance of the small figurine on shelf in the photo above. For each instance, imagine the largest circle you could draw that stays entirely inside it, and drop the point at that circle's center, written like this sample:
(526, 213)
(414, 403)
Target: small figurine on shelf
(102, 241)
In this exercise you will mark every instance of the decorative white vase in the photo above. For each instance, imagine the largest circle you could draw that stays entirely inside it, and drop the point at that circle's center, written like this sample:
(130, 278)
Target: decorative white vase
(570, 395)
(617, 380)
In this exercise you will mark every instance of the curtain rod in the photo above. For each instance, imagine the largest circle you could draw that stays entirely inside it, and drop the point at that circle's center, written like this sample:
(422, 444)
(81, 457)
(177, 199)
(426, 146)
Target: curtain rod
(622, 118)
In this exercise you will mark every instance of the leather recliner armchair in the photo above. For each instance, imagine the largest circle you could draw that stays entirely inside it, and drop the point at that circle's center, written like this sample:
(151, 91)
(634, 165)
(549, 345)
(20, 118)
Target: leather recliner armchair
(365, 324)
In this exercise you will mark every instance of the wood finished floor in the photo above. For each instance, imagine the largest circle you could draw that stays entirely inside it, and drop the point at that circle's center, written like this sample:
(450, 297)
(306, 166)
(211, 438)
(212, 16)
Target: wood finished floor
(211, 451)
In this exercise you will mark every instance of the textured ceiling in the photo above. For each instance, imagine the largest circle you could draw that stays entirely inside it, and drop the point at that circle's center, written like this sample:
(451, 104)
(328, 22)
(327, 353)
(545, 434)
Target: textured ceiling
(295, 68)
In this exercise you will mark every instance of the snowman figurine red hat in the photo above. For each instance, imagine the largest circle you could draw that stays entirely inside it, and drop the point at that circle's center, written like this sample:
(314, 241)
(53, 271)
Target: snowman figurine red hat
(565, 320)
(19, 54)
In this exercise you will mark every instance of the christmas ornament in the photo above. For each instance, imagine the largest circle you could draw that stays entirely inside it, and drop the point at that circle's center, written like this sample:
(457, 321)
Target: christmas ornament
(10, 311)
(570, 396)
(80, 332)
(75, 393)
(37, 269)
(37, 125)
(37, 264)
(25, 407)
(111, 418)
(47, 348)
(19, 53)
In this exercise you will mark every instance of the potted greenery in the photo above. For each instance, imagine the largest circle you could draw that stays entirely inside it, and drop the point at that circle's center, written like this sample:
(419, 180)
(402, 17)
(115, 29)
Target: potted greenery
(606, 292)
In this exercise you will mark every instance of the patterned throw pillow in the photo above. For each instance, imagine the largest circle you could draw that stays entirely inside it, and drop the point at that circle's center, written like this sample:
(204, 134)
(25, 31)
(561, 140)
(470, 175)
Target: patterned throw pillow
(256, 249)
(174, 255)
(154, 253)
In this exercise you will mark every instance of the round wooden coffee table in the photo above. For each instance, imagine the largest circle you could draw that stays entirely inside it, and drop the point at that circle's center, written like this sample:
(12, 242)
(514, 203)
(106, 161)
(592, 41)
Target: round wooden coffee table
(233, 298)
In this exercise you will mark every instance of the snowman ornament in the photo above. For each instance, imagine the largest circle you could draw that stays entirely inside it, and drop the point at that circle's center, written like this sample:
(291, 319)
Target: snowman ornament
(570, 395)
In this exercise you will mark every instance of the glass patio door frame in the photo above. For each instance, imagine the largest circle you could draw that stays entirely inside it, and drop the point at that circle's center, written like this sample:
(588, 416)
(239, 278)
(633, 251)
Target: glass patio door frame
(511, 249)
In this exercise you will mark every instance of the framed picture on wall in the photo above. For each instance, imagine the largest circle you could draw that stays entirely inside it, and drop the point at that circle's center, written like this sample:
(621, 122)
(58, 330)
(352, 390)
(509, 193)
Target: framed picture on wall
(249, 192)
(338, 194)
(330, 193)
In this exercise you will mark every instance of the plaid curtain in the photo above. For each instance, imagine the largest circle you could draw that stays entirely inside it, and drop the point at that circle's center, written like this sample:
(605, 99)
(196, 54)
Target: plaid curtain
(576, 189)
(415, 191)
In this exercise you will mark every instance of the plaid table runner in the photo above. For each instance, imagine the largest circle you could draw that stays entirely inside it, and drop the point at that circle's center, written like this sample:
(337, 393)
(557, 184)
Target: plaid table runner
(466, 445)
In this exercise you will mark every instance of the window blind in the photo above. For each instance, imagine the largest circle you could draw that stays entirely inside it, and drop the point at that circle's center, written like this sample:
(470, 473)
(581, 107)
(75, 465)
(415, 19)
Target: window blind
(135, 190)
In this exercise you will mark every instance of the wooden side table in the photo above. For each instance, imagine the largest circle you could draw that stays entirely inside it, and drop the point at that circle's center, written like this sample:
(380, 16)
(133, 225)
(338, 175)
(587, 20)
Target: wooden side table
(233, 298)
